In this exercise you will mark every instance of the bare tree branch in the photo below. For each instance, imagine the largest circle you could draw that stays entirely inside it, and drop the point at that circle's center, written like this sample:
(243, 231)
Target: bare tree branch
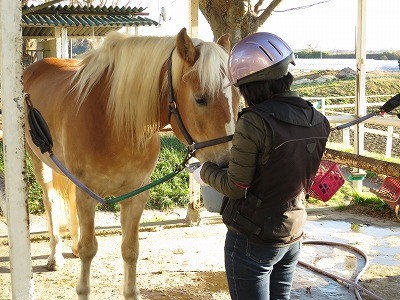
(257, 6)
(237, 17)
(268, 11)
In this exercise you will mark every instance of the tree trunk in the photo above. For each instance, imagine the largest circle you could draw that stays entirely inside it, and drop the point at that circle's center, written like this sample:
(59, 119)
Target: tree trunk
(236, 17)
(363, 162)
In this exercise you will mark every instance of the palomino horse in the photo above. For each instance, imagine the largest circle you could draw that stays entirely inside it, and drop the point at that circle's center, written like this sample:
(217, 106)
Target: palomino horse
(105, 113)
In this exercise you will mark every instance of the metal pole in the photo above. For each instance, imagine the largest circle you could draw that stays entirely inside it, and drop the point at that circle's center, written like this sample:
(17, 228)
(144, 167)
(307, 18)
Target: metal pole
(14, 151)
(361, 107)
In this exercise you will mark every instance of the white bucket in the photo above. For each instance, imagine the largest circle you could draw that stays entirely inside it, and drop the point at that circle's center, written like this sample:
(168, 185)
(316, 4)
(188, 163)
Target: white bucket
(212, 199)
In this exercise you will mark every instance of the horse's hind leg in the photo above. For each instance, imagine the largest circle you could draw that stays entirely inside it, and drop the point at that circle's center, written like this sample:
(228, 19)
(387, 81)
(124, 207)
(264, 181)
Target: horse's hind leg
(131, 211)
(87, 246)
(52, 204)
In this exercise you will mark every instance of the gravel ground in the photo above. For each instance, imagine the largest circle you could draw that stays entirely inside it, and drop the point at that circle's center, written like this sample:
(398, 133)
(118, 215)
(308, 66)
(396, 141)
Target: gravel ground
(186, 262)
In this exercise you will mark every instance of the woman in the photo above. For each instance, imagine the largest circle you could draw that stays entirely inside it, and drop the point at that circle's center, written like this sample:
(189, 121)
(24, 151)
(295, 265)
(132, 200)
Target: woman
(276, 150)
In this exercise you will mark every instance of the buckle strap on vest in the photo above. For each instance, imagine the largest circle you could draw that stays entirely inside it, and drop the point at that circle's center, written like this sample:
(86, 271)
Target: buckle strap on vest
(246, 224)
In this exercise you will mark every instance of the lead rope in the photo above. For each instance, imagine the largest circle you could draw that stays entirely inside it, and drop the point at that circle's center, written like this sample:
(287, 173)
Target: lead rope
(41, 137)
(387, 107)
(96, 197)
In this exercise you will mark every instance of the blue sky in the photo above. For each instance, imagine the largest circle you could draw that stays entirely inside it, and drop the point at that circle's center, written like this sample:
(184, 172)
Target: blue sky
(327, 26)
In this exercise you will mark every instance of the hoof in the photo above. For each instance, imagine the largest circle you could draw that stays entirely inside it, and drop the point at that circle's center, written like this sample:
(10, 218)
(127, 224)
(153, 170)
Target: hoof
(133, 296)
(53, 265)
(75, 252)
(83, 292)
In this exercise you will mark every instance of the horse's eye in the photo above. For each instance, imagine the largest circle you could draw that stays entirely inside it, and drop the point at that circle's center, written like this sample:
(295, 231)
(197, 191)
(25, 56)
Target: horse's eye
(201, 100)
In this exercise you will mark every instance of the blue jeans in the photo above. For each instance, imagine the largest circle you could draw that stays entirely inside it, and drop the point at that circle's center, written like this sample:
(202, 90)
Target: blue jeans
(259, 272)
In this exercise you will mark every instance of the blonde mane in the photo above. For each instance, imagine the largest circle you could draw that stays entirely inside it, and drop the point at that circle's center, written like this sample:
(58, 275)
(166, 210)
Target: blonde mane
(133, 66)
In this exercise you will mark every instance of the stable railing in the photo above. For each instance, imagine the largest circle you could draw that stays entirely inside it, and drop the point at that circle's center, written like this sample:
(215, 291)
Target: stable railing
(335, 116)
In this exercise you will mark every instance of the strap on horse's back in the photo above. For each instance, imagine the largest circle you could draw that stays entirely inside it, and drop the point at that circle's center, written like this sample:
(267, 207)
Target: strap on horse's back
(39, 130)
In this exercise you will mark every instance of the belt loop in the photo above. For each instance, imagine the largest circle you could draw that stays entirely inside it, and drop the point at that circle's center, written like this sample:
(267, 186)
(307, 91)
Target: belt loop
(234, 219)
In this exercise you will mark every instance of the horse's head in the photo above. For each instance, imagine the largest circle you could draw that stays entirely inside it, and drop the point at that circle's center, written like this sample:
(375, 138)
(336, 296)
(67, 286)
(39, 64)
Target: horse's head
(208, 110)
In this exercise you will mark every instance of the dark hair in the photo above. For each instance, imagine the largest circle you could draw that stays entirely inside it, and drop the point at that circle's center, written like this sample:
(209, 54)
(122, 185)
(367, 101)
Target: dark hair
(258, 91)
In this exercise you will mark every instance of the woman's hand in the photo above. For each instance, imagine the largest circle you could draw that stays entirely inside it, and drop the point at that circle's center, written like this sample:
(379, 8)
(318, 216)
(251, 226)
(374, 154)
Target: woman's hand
(197, 177)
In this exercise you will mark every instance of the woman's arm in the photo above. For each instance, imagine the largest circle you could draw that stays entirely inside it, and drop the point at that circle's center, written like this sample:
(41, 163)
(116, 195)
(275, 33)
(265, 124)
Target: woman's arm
(251, 146)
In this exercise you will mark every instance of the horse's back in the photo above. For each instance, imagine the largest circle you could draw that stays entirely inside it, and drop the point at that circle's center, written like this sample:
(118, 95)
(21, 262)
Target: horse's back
(47, 82)
(49, 73)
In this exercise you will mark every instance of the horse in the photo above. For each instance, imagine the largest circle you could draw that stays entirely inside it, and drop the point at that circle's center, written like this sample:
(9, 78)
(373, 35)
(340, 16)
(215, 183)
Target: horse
(105, 113)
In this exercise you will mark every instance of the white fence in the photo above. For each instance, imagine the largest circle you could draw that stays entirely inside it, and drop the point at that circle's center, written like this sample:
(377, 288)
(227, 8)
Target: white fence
(341, 63)
(335, 115)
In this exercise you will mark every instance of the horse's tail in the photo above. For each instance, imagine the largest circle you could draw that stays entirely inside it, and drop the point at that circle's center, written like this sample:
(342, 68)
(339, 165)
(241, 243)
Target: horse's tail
(66, 190)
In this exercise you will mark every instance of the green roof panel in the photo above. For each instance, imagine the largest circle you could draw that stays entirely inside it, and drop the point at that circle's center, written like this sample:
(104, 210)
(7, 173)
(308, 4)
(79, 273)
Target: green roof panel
(84, 17)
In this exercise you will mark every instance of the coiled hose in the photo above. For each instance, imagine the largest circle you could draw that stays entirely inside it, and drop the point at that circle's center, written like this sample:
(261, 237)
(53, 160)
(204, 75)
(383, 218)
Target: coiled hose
(354, 283)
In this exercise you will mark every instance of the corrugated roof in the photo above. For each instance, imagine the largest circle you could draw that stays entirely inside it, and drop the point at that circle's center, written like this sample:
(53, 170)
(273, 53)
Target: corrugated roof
(81, 20)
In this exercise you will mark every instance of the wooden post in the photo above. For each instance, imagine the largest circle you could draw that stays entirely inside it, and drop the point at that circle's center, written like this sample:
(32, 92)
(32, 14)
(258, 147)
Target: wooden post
(361, 108)
(60, 34)
(346, 136)
(14, 151)
(194, 18)
(193, 211)
(132, 30)
(389, 141)
(363, 162)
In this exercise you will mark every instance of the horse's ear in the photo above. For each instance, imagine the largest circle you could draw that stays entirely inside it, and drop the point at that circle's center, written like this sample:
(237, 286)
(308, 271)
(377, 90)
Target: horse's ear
(185, 47)
(225, 42)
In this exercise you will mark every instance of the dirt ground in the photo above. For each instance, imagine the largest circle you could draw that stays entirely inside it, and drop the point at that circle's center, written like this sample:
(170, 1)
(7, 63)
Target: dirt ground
(186, 262)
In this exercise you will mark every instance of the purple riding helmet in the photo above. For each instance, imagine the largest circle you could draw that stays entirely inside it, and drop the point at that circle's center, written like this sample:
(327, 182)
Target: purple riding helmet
(259, 56)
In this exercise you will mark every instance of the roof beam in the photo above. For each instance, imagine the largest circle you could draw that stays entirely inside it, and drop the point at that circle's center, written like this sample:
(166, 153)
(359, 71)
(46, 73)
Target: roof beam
(41, 6)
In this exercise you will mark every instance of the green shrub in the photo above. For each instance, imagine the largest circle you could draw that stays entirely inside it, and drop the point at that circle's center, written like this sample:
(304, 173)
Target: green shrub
(174, 192)
(34, 190)
(371, 201)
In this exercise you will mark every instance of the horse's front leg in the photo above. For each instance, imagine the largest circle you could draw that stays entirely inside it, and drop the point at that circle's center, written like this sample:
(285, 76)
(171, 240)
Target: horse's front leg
(51, 201)
(131, 211)
(87, 246)
(52, 204)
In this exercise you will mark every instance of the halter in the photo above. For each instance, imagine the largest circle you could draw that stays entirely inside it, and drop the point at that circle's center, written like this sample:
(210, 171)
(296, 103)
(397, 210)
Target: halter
(173, 109)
